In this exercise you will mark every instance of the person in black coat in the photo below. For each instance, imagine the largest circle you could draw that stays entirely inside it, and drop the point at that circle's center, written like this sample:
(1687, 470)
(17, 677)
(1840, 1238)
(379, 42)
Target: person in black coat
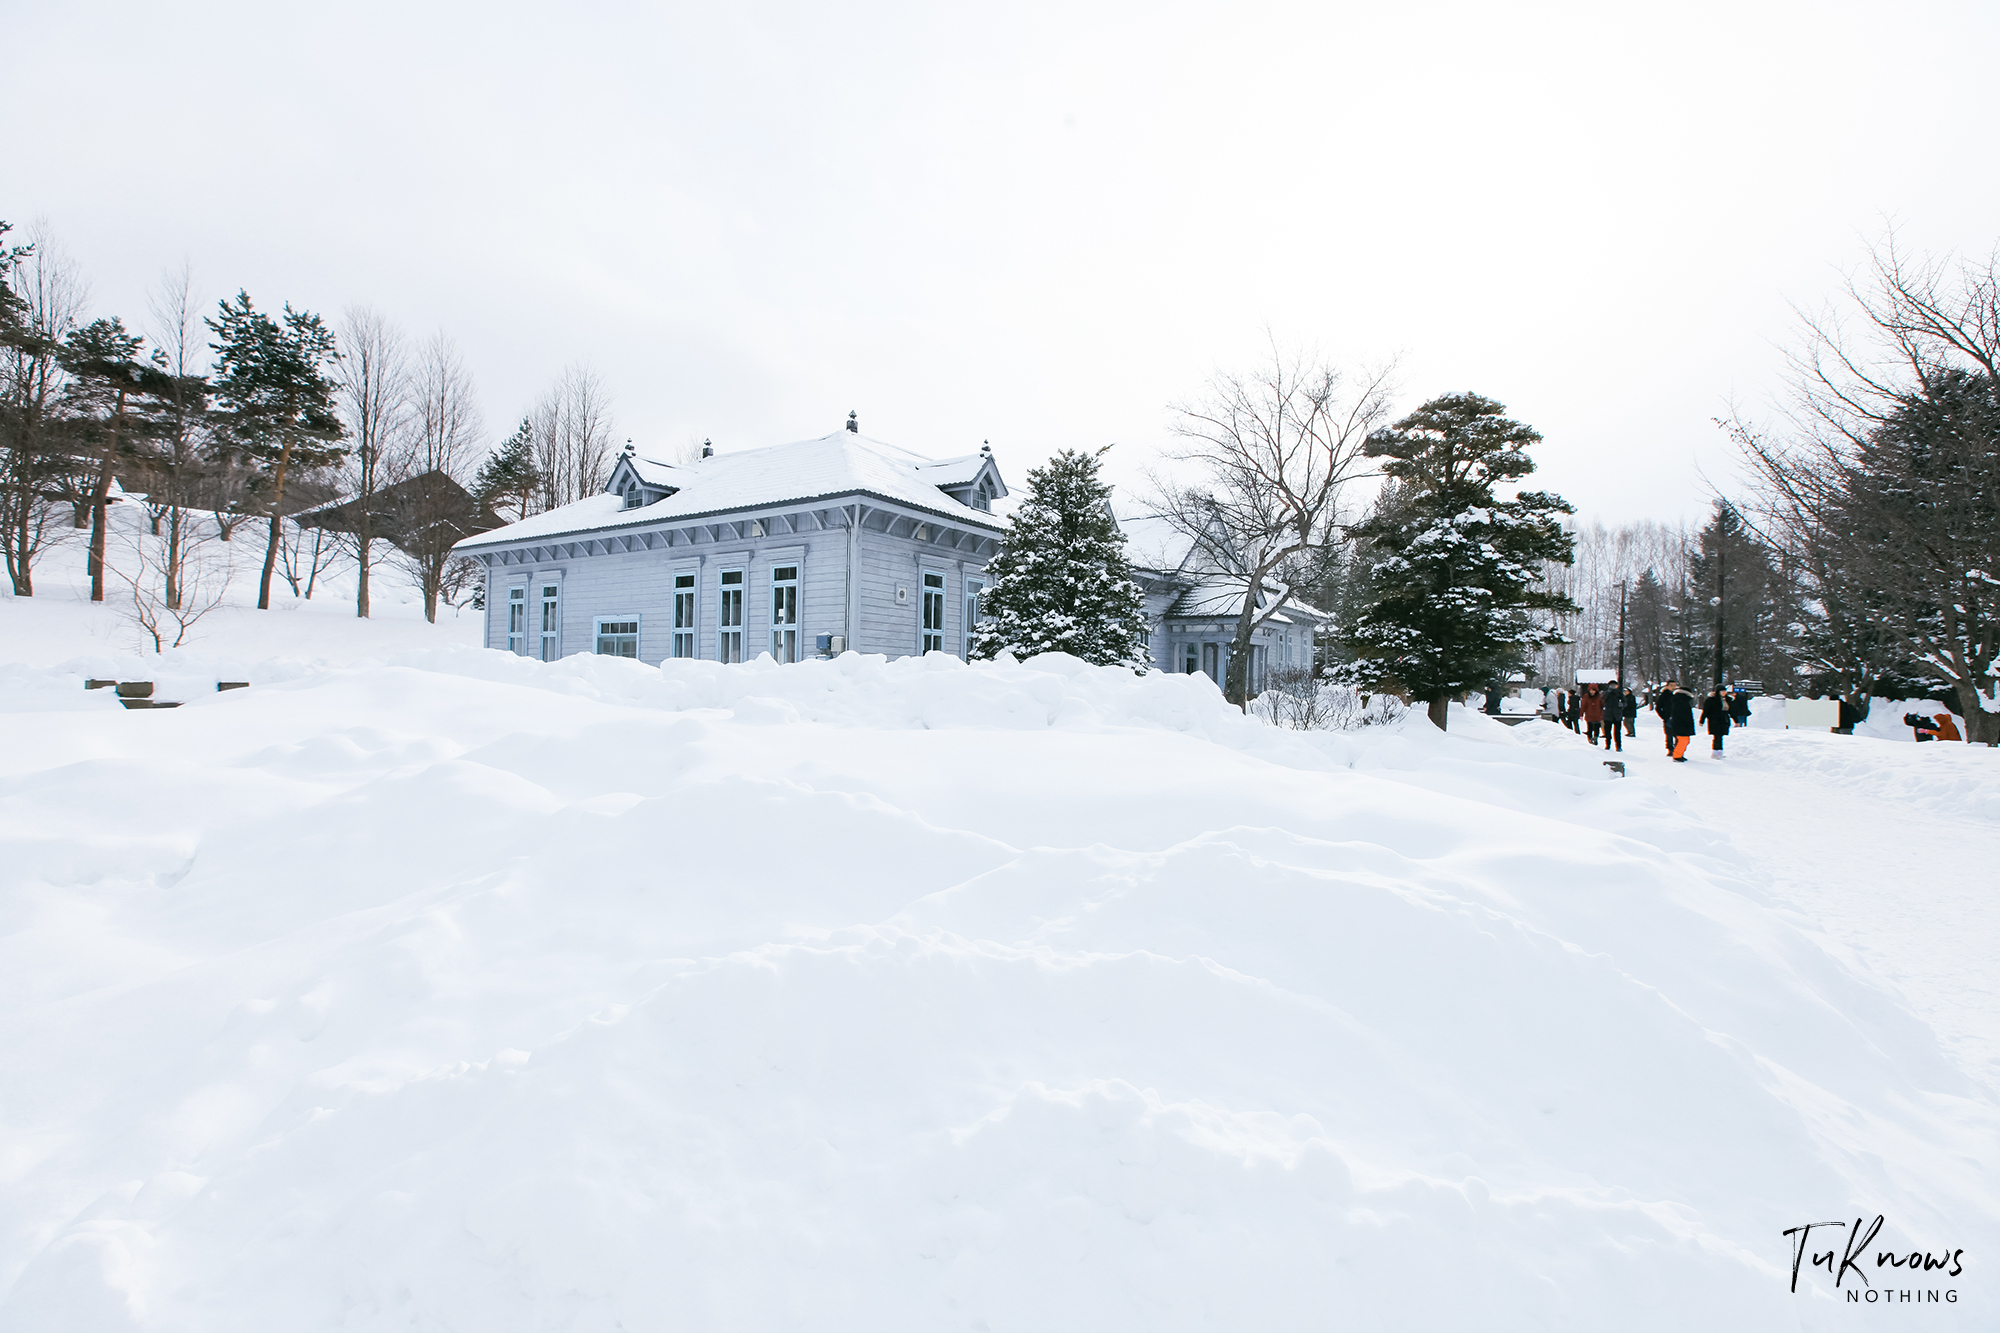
(1614, 717)
(1715, 716)
(1676, 708)
(1739, 708)
(1628, 703)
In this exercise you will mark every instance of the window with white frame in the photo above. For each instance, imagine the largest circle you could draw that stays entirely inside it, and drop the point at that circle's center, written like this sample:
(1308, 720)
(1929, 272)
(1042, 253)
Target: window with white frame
(618, 637)
(517, 620)
(932, 640)
(974, 590)
(729, 617)
(785, 612)
(551, 621)
(684, 615)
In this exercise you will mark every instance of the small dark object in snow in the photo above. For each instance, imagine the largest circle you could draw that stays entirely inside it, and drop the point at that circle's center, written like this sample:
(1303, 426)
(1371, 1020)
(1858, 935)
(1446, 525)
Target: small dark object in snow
(222, 685)
(99, 684)
(1617, 766)
(135, 689)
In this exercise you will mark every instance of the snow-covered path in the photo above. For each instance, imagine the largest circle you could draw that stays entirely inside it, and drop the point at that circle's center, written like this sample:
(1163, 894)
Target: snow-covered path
(1891, 851)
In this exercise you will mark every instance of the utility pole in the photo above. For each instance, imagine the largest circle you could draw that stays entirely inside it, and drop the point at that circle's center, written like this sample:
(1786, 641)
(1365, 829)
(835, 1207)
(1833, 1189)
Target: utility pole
(1621, 631)
(1720, 573)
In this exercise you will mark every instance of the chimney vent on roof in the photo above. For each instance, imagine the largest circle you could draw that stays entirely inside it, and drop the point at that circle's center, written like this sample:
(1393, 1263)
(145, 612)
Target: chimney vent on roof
(853, 423)
(707, 449)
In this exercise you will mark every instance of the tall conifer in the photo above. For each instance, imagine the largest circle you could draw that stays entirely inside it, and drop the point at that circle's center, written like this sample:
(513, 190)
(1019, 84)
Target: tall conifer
(1451, 605)
(1061, 583)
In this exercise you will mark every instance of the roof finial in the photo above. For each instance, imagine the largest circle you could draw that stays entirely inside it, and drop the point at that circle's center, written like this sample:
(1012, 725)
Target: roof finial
(853, 423)
(986, 446)
(707, 449)
(628, 445)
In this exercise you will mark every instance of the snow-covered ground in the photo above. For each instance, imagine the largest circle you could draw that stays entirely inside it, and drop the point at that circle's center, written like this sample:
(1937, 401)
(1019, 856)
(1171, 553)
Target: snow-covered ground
(440, 989)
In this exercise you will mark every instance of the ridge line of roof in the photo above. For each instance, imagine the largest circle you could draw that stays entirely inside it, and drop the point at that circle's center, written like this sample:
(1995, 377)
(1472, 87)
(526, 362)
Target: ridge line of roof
(474, 542)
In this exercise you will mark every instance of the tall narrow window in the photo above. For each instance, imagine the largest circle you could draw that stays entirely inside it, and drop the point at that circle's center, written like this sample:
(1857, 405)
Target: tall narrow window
(551, 621)
(683, 615)
(618, 638)
(1211, 661)
(785, 613)
(729, 618)
(517, 620)
(1193, 665)
(933, 635)
(974, 589)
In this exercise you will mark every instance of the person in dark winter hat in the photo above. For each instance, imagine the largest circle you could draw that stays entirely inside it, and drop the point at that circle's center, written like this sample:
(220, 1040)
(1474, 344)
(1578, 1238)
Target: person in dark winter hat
(1628, 706)
(1715, 716)
(1614, 717)
(1676, 709)
(1739, 708)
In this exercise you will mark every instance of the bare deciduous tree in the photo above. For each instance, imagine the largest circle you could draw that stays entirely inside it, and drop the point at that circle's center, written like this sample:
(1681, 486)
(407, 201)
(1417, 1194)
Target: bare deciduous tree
(443, 454)
(373, 394)
(37, 469)
(1272, 452)
(306, 553)
(1885, 490)
(199, 584)
(172, 467)
(572, 429)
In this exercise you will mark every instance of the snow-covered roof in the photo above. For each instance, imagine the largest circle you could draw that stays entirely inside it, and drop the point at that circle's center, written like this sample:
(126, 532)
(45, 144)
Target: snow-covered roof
(960, 471)
(1217, 597)
(655, 473)
(843, 463)
(1152, 543)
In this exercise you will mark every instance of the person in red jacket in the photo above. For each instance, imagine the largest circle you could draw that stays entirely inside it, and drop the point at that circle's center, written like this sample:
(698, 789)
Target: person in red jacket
(1593, 709)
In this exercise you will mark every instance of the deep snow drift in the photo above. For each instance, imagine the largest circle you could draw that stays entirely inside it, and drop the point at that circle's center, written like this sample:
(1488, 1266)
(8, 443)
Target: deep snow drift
(460, 991)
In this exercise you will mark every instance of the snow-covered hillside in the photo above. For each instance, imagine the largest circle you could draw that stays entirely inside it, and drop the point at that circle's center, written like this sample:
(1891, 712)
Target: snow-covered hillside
(446, 990)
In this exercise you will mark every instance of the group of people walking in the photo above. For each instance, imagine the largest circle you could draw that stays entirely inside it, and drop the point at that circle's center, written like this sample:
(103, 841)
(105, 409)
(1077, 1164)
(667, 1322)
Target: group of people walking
(1609, 711)
(1604, 712)
(1720, 709)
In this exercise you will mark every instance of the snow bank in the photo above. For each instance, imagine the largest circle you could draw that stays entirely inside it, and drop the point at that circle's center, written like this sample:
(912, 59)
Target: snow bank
(458, 990)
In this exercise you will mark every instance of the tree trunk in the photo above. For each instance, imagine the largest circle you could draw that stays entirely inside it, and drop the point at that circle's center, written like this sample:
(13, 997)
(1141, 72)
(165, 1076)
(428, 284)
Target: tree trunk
(18, 538)
(175, 517)
(1981, 727)
(270, 562)
(100, 498)
(1439, 711)
(277, 519)
(362, 541)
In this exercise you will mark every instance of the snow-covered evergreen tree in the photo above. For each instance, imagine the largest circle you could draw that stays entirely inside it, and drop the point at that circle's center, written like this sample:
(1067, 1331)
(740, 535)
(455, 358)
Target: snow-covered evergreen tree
(1061, 583)
(1451, 604)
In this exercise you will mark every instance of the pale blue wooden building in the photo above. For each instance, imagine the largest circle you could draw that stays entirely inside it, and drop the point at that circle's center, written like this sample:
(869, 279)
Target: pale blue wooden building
(841, 542)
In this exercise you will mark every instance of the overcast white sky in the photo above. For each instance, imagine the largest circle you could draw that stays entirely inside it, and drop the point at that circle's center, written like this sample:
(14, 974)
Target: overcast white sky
(1032, 224)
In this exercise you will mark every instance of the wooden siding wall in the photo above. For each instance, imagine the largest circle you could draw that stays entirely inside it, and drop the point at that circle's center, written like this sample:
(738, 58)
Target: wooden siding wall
(888, 563)
(640, 584)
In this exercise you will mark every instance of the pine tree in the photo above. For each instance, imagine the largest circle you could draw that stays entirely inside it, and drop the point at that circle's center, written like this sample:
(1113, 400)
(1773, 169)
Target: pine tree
(1451, 604)
(271, 381)
(1061, 583)
(510, 475)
